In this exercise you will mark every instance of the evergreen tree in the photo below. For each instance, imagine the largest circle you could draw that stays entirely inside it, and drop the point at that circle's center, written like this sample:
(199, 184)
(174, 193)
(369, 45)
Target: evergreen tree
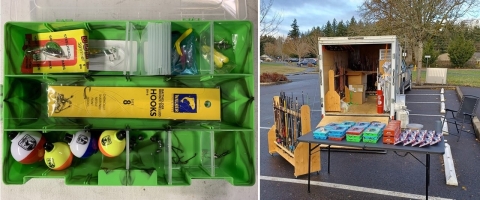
(334, 27)
(341, 29)
(474, 34)
(429, 49)
(352, 27)
(361, 24)
(460, 51)
(294, 33)
(352, 21)
(327, 30)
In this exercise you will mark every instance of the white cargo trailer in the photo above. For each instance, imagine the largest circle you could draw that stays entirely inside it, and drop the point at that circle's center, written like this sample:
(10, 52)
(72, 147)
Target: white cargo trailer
(353, 70)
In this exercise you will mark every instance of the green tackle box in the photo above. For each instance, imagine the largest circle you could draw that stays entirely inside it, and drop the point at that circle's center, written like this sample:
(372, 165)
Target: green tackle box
(222, 149)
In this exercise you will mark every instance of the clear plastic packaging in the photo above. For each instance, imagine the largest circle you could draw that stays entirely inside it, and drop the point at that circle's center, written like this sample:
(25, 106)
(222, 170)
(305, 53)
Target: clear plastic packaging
(110, 55)
(420, 138)
(436, 138)
(156, 41)
(402, 137)
(223, 54)
(411, 138)
(184, 53)
(129, 10)
(428, 139)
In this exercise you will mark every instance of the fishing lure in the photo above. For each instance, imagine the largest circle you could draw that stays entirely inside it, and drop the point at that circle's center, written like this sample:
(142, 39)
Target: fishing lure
(218, 58)
(51, 49)
(222, 44)
(180, 39)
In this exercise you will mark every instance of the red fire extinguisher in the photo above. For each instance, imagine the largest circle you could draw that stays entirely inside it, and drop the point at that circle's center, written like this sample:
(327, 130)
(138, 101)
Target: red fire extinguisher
(379, 101)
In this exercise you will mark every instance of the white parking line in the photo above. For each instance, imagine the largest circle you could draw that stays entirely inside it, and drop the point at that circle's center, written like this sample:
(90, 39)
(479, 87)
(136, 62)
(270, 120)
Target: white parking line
(350, 187)
(422, 102)
(425, 115)
(445, 126)
(423, 94)
(268, 128)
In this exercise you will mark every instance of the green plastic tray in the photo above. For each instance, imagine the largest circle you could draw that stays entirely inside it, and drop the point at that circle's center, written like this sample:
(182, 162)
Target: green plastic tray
(354, 138)
(368, 139)
(24, 109)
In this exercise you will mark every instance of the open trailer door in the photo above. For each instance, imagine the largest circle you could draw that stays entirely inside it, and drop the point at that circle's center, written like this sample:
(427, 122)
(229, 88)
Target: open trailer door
(350, 69)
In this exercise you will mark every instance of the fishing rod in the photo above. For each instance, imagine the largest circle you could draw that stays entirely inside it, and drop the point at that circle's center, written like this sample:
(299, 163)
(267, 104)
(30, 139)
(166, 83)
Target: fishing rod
(277, 122)
(285, 127)
(288, 120)
(292, 121)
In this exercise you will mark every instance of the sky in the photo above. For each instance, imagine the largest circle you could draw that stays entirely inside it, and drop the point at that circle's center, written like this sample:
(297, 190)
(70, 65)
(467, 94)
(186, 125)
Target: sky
(310, 13)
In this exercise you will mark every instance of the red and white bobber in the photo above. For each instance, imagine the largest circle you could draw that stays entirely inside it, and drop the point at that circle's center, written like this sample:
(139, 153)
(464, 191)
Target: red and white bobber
(27, 146)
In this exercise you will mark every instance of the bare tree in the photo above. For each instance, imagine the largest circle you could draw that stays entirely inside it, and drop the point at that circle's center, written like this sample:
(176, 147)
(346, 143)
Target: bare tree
(312, 42)
(279, 43)
(268, 21)
(296, 46)
(417, 20)
(270, 49)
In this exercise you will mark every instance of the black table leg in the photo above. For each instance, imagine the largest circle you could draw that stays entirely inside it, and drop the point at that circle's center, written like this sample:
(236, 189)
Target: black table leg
(310, 154)
(328, 159)
(428, 174)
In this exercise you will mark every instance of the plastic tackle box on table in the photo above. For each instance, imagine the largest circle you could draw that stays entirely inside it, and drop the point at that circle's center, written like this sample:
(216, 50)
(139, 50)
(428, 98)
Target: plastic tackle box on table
(354, 138)
(320, 133)
(363, 124)
(355, 130)
(191, 44)
(338, 131)
(381, 126)
(348, 123)
(331, 126)
(371, 135)
(371, 131)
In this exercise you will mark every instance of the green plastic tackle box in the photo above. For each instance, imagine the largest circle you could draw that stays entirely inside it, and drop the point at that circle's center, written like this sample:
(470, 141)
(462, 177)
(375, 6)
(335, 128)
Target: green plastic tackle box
(190, 149)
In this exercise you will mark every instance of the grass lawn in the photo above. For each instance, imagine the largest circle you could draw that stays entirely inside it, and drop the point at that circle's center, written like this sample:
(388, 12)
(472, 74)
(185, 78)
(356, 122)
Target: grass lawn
(458, 77)
(279, 68)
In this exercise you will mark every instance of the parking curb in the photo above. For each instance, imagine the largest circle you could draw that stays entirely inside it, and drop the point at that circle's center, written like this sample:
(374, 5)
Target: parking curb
(275, 83)
(433, 87)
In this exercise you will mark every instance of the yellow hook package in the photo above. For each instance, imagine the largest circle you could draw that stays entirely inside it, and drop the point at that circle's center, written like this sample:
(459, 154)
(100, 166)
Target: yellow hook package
(134, 102)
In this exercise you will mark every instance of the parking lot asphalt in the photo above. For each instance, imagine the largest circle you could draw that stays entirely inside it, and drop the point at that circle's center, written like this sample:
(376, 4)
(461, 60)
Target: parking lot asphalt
(373, 172)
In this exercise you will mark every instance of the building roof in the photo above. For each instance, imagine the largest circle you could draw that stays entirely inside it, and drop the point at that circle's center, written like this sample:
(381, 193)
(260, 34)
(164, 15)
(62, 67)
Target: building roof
(445, 57)
(476, 55)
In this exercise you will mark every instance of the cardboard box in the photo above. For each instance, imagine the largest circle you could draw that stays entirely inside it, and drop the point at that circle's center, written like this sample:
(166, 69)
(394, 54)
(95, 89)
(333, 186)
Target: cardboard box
(134, 102)
(356, 78)
(358, 97)
(357, 94)
(357, 88)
